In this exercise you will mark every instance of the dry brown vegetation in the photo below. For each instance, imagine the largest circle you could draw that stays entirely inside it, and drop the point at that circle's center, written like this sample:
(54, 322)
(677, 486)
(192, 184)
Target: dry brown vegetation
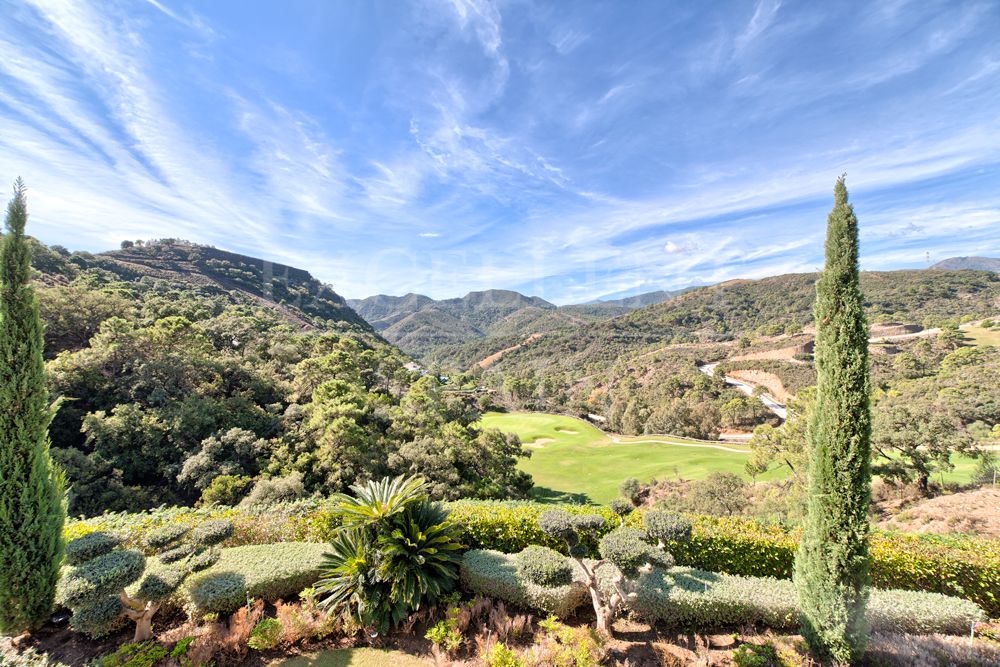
(975, 511)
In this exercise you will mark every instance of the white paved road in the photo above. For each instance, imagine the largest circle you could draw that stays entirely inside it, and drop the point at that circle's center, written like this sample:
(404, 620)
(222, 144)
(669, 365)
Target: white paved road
(770, 402)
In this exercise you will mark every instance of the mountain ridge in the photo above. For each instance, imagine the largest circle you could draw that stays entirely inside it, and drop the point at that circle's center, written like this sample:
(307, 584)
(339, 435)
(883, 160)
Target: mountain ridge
(290, 292)
(420, 325)
(968, 263)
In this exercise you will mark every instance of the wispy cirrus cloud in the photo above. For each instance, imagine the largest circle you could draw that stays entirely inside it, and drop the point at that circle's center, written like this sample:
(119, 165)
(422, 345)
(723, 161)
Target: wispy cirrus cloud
(468, 144)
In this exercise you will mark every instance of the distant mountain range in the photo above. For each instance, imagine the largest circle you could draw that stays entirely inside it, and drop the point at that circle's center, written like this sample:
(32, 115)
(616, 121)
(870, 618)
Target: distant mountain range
(973, 263)
(460, 332)
(418, 324)
(642, 300)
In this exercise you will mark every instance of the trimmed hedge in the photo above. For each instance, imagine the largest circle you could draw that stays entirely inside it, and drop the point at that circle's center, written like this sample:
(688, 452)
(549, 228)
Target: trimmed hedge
(957, 565)
(302, 521)
(685, 597)
(266, 571)
(495, 574)
(688, 597)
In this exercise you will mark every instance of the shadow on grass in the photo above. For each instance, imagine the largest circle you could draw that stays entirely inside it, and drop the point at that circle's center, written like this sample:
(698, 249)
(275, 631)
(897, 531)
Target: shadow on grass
(546, 495)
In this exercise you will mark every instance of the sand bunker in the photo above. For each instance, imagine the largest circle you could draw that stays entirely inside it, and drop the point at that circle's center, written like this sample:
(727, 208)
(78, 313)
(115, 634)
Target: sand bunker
(567, 431)
(539, 443)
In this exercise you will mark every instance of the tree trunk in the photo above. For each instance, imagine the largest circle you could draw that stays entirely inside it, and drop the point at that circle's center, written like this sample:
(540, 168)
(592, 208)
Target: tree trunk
(142, 613)
(923, 481)
(144, 628)
(605, 613)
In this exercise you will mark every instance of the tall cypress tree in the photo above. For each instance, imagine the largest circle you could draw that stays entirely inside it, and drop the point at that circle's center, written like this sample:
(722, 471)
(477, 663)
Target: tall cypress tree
(32, 507)
(832, 564)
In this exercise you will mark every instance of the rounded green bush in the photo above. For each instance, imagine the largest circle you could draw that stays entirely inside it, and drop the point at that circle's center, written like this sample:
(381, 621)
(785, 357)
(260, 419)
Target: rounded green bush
(666, 526)
(161, 584)
(100, 617)
(622, 506)
(101, 576)
(177, 553)
(202, 560)
(557, 524)
(627, 549)
(544, 566)
(212, 532)
(90, 546)
(588, 523)
(165, 536)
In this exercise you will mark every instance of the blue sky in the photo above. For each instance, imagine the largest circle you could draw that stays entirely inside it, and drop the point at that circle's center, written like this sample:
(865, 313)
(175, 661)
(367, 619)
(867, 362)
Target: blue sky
(568, 150)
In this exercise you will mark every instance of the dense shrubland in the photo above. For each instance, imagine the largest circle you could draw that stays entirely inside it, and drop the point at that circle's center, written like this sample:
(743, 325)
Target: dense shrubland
(169, 382)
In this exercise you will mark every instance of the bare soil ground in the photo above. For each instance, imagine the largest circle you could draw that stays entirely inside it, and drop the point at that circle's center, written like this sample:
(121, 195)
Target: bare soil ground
(966, 512)
(636, 644)
(771, 382)
(779, 354)
(497, 356)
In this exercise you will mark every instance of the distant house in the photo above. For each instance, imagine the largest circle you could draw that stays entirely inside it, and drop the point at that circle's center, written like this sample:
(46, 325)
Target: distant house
(597, 419)
(414, 367)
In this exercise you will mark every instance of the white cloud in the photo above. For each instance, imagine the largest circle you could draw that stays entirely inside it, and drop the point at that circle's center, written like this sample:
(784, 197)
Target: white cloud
(763, 16)
(526, 175)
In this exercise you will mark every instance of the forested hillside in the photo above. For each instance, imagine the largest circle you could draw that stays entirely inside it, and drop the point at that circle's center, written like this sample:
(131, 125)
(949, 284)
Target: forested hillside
(641, 370)
(184, 372)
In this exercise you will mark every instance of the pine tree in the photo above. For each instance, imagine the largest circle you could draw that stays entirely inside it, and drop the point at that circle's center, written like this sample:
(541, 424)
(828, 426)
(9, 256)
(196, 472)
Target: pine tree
(32, 489)
(832, 565)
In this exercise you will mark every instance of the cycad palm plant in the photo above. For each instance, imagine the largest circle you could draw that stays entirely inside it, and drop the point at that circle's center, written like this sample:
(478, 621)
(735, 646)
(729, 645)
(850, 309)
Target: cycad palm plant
(394, 552)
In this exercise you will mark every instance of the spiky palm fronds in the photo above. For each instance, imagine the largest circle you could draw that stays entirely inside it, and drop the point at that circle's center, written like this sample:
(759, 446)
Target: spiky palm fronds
(419, 557)
(378, 500)
(395, 552)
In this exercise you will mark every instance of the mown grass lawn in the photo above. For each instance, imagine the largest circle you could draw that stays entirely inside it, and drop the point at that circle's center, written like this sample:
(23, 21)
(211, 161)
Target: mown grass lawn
(355, 657)
(573, 461)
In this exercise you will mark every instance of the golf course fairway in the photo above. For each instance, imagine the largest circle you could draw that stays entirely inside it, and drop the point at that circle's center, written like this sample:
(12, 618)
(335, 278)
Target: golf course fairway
(571, 460)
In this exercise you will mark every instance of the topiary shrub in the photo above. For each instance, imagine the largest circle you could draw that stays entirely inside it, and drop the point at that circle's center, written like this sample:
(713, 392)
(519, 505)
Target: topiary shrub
(695, 599)
(89, 547)
(94, 589)
(622, 507)
(494, 574)
(625, 549)
(544, 566)
(666, 527)
(263, 571)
